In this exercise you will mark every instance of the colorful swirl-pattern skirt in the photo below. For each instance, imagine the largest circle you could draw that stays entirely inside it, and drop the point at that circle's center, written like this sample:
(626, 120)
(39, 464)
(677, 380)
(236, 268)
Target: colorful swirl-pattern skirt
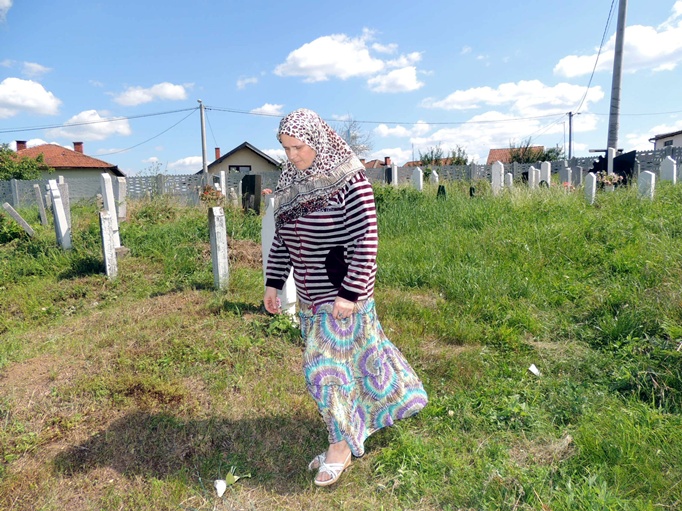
(358, 378)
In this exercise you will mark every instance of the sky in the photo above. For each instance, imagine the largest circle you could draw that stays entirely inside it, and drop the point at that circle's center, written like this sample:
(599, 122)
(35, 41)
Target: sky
(126, 77)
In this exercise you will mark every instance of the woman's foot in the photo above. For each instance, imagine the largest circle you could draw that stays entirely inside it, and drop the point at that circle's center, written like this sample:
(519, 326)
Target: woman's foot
(337, 459)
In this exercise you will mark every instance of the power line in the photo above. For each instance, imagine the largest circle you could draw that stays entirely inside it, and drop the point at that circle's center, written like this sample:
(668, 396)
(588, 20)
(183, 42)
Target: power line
(152, 138)
(99, 121)
(596, 61)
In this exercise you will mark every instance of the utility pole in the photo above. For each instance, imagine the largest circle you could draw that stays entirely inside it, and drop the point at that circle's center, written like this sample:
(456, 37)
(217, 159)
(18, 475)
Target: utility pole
(614, 112)
(204, 174)
(570, 135)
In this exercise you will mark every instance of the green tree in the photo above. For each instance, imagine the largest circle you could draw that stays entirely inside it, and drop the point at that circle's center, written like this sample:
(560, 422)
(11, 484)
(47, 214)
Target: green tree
(458, 156)
(436, 156)
(14, 167)
(526, 153)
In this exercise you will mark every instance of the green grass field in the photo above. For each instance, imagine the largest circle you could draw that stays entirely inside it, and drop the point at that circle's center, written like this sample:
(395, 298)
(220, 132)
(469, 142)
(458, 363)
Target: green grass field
(137, 393)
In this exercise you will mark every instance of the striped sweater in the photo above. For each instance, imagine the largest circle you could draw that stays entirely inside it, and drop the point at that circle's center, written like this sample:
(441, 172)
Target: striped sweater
(332, 251)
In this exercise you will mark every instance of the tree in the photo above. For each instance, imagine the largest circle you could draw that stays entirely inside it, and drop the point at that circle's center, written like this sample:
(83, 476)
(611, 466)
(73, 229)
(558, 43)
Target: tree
(526, 153)
(25, 168)
(358, 140)
(436, 156)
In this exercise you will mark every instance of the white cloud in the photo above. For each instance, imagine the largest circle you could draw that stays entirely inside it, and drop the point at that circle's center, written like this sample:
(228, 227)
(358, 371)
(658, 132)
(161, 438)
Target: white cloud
(6, 62)
(277, 154)
(17, 95)
(419, 129)
(525, 98)
(405, 60)
(465, 50)
(189, 164)
(332, 56)
(133, 96)
(268, 109)
(30, 143)
(95, 83)
(33, 70)
(243, 82)
(5, 6)
(398, 155)
(656, 48)
(398, 80)
(89, 125)
(385, 48)
(640, 141)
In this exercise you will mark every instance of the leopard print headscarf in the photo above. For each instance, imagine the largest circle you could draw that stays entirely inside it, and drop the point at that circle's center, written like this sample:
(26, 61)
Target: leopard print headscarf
(300, 192)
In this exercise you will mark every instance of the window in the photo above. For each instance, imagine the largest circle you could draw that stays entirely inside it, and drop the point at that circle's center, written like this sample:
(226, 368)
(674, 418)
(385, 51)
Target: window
(244, 169)
(667, 143)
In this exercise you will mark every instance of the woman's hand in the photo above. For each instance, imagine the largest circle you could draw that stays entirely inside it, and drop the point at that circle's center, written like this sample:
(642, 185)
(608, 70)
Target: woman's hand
(342, 308)
(271, 301)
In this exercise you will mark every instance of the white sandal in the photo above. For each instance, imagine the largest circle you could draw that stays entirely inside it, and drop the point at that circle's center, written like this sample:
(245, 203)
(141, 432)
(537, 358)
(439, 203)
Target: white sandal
(333, 469)
(317, 461)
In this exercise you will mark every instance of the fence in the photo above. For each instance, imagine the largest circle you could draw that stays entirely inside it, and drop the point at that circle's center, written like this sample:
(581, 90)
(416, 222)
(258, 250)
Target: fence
(187, 187)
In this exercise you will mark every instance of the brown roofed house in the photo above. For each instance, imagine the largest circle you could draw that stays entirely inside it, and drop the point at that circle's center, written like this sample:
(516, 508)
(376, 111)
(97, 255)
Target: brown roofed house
(504, 156)
(66, 162)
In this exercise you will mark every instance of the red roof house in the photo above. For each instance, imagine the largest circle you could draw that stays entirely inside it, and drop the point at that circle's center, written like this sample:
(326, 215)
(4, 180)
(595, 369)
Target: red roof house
(67, 162)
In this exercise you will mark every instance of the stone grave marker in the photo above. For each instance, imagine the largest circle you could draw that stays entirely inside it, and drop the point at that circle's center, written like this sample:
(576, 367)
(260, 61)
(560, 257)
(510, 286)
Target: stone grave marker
(41, 204)
(509, 180)
(219, 249)
(497, 177)
(669, 170)
(433, 177)
(418, 179)
(23, 223)
(61, 226)
(646, 184)
(287, 294)
(110, 205)
(546, 172)
(590, 187)
(108, 248)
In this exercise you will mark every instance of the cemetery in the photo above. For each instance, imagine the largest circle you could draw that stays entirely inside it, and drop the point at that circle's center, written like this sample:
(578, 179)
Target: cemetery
(542, 309)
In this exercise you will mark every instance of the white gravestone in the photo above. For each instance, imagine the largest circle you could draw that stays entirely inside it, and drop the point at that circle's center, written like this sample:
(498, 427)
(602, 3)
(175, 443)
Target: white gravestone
(219, 249)
(546, 172)
(496, 177)
(23, 223)
(610, 155)
(433, 177)
(108, 248)
(41, 204)
(418, 179)
(509, 180)
(110, 205)
(646, 184)
(590, 187)
(223, 183)
(120, 194)
(532, 175)
(394, 174)
(232, 198)
(61, 226)
(669, 170)
(287, 295)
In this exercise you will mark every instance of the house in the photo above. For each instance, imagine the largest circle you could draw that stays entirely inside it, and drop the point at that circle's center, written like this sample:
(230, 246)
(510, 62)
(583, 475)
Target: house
(377, 164)
(245, 159)
(673, 139)
(66, 162)
(504, 156)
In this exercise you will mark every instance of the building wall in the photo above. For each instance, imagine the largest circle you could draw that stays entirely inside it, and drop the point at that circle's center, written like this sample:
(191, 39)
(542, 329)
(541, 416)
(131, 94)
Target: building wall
(677, 141)
(243, 157)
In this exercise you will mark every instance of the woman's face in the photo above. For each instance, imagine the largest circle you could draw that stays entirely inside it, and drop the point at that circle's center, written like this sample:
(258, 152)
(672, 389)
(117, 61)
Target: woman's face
(299, 153)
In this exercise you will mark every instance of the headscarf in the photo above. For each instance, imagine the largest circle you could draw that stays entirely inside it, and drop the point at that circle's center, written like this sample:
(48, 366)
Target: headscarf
(300, 192)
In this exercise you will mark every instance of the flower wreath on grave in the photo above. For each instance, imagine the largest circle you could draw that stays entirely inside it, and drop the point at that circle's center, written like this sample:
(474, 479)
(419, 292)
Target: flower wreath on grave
(607, 179)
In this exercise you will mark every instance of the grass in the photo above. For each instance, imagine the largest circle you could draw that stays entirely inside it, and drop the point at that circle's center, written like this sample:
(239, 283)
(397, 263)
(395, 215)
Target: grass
(137, 393)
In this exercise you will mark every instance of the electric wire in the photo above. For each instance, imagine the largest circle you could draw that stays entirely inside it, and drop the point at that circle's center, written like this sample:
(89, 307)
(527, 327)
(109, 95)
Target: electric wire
(152, 138)
(596, 60)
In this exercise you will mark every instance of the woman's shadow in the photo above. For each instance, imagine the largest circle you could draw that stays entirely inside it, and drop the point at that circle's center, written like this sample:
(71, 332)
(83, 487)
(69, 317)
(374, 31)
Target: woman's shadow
(275, 449)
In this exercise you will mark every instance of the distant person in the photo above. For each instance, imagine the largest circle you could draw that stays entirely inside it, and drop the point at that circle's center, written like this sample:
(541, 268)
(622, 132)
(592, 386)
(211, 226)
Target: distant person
(326, 230)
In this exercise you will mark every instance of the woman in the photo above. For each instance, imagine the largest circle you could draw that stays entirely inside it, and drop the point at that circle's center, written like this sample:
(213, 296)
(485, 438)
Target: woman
(326, 232)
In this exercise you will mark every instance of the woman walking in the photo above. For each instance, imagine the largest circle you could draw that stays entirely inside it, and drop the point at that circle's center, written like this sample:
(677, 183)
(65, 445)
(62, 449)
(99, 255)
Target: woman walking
(326, 233)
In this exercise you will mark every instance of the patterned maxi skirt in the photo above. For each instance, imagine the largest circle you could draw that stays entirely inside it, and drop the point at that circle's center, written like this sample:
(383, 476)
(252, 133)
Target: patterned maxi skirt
(358, 378)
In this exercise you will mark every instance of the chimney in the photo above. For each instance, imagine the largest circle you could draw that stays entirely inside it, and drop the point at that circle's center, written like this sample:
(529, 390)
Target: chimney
(21, 145)
(217, 153)
(78, 147)
(387, 161)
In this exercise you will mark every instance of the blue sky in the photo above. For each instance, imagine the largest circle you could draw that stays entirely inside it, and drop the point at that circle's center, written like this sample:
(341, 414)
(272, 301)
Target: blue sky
(414, 75)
